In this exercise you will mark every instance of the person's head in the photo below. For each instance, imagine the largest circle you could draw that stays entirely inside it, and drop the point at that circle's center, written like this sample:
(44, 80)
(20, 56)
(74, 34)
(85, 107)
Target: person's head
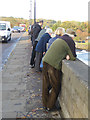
(60, 31)
(49, 31)
(41, 22)
(46, 27)
(71, 33)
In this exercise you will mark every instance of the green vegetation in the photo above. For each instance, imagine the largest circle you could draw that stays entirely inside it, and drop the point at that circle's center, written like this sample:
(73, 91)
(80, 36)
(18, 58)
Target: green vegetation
(85, 46)
(49, 23)
(71, 24)
(15, 21)
(82, 29)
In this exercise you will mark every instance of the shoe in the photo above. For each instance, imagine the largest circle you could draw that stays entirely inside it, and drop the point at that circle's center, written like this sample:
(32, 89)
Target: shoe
(32, 66)
(38, 71)
(53, 109)
(45, 108)
(57, 105)
(48, 109)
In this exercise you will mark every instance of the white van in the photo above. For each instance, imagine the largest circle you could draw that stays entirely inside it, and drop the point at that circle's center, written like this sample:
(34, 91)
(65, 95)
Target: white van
(5, 31)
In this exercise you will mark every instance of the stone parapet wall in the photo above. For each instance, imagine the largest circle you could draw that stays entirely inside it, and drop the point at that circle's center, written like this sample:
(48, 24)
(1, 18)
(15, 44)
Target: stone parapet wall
(74, 91)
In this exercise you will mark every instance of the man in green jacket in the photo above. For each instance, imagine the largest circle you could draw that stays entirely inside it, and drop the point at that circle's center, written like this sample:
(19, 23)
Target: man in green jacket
(52, 74)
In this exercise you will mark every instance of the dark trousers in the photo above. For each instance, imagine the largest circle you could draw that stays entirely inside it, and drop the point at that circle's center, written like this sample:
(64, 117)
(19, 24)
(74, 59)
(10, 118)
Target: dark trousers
(38, 61)
(32, 61)
(51, 79)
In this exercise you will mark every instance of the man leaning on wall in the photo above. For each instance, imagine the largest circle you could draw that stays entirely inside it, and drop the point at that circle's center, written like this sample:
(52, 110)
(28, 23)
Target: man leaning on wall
(52, 74)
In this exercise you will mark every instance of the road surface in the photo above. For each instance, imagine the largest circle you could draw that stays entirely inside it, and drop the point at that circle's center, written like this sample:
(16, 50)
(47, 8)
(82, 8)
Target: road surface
(6, 48)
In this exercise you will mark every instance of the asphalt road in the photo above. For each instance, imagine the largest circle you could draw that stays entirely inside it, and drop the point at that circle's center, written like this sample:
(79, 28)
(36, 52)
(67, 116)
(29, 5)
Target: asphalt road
(6, 48)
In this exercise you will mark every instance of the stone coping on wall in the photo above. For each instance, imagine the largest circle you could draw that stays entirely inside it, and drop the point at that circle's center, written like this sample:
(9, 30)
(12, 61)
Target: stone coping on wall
(80, 69)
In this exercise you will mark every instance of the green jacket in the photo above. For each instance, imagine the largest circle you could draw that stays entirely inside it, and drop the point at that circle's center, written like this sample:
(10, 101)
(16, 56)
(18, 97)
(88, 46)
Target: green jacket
(41, 33)
(57, 52)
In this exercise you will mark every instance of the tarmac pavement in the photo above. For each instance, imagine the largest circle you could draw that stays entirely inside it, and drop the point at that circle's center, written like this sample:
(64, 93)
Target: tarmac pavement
(22, 86)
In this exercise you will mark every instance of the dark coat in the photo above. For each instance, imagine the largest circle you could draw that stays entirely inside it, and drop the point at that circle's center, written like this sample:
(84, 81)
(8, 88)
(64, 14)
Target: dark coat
(70, 43)
(52, 40)
(36, 28)
(41, 45)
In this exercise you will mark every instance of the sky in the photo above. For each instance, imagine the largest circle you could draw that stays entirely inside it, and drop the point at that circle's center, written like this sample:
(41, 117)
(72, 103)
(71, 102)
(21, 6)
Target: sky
(64, 10)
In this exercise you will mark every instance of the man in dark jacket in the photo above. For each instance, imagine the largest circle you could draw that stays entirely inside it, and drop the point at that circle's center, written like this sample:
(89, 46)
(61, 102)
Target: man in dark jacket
(36, 28)
(41, 48)
(68, 38)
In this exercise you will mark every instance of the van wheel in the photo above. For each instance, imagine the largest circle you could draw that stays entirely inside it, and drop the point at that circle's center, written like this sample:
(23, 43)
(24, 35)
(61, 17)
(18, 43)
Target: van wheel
(6, 41)
(10, 38)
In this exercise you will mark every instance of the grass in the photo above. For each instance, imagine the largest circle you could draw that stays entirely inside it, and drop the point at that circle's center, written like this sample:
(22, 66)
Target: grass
(84, 46)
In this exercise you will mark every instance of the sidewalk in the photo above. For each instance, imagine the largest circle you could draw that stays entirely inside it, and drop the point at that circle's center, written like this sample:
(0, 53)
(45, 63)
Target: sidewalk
(22, 86)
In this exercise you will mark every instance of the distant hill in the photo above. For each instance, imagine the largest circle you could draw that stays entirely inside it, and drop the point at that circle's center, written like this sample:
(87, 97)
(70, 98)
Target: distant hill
(82, 28)
(17, 21)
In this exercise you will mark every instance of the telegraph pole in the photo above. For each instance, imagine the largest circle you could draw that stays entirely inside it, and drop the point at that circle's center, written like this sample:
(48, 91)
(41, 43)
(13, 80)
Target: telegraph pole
(30, 15)
(34, 11)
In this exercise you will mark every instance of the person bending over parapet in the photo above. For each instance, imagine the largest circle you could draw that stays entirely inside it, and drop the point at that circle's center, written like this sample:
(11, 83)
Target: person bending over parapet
(52, 74)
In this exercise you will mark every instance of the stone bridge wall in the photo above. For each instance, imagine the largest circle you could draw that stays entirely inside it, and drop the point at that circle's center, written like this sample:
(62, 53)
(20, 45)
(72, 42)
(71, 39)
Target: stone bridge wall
(74, 92)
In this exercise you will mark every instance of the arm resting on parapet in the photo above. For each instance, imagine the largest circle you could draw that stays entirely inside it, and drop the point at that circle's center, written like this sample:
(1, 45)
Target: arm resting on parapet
(70, 55)
(67, 57)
